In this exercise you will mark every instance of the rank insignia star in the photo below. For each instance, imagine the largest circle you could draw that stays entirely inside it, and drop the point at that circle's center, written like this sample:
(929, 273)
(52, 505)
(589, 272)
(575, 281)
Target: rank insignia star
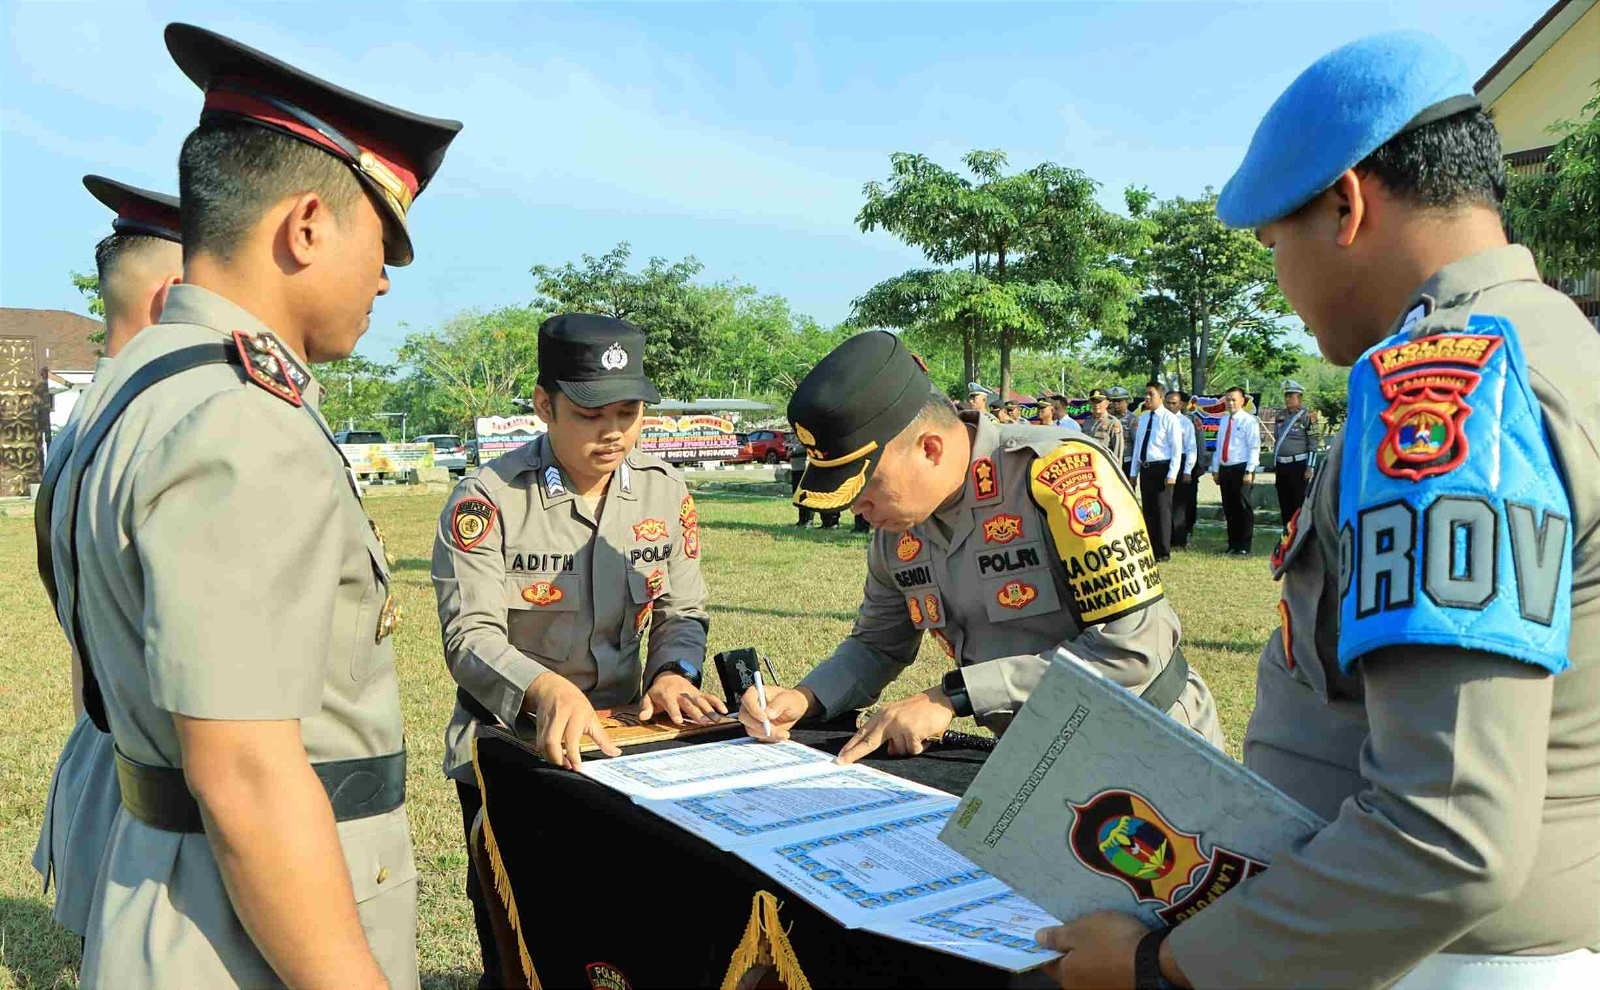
(985, 480)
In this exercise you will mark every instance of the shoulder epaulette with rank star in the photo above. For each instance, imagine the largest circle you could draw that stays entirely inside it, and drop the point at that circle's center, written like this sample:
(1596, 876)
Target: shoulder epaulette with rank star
(267, 367)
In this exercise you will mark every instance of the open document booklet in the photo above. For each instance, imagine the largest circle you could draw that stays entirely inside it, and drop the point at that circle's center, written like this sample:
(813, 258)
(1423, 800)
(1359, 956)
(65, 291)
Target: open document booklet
(1094, 800)
(858, 844)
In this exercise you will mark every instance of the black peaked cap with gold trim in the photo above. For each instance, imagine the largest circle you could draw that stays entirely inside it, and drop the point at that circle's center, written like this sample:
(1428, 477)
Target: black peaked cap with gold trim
(393, 152)
(138, 211)
(846, 411)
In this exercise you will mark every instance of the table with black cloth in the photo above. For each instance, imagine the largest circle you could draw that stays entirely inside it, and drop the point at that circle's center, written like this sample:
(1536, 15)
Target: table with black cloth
(594, 878)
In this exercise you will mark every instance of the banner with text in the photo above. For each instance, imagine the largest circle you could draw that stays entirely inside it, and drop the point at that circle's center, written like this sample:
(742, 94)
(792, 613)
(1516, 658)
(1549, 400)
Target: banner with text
(387, 458)
(689, 438)
(498, 434)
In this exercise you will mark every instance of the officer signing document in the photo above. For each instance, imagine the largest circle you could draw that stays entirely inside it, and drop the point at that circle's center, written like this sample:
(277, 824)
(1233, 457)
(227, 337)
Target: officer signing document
(1434, 688)
(1001, 541)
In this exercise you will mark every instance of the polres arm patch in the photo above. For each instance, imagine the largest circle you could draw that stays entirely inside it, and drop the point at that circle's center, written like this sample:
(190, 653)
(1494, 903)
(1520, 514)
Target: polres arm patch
(471, 521)
(1453, 514)
(1098, 532)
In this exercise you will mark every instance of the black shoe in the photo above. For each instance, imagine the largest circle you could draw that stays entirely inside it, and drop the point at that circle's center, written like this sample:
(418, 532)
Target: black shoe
(1163, 560)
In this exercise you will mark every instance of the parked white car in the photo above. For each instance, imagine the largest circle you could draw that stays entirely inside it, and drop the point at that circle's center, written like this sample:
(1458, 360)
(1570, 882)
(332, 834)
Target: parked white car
(449, 451)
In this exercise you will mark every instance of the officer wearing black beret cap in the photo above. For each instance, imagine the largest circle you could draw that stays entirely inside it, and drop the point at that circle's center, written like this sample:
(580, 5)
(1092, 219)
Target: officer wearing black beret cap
(980, 533)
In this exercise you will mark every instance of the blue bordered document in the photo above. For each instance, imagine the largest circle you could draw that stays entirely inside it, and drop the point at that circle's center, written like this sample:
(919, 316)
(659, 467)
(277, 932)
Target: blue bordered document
(859, 844)
(1094, 800)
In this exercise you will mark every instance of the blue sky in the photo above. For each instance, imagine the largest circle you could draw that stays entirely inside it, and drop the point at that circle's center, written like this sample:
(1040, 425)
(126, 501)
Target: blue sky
(738, 133)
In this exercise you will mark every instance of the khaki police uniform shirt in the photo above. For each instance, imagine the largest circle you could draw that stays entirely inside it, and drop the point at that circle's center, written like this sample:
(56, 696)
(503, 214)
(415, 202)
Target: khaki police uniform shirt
(1043, 547)
(1107, 432)
(1296, 440)
(84, 797)
(1463, 788)
(228, 571)
(528, 582)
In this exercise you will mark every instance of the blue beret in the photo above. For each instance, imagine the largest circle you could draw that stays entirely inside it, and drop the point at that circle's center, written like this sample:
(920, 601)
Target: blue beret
(1340, 110)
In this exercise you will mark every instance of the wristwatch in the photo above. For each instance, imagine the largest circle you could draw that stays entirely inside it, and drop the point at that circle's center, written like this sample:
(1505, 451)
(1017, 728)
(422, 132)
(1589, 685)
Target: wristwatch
(955, 688)
(684, 668)
(1147, 961)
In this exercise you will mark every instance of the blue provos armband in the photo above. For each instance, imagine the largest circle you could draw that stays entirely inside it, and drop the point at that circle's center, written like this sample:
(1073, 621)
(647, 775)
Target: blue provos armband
(1454, 522)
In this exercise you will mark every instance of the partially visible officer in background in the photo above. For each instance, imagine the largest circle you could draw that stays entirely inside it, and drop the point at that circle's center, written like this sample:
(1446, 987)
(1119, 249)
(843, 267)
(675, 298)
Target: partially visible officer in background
(1157, 463)
(980, 537)
(221, 582)
(978, 397)
(136, 264)
(1437, 696)
(1129, 418)
(1292, 450)
(1183, 494)
(1106, 429)
(1187, 494)
(1047, 410)
(553, 560)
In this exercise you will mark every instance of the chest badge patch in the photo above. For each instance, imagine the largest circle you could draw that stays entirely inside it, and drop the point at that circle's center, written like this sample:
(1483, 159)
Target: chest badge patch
(470, 522)
(388, 619)
(1119, 834)
(930, 605)
(944, 642)
(1427, 382)
(1285, 541)
(655, 583)
(542, 593)
(650, 530)
(1016, 594)
(1002, 528)
(908, 547)
(985, 480)
(914, 606)
(641, 619)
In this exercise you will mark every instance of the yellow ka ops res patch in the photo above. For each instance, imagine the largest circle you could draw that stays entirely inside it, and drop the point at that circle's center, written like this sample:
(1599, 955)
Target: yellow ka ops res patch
(470, 522)
(1098, 531)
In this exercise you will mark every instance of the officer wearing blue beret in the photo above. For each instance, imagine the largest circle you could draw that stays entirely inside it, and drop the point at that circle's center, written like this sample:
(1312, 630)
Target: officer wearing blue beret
(1434, 688)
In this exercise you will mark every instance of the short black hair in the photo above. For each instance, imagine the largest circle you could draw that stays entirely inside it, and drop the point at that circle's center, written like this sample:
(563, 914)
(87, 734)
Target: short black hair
(1241, 391)
(1181, 394)
(231, 171)
(1448, 164)
(1152, 383)
(112, 249)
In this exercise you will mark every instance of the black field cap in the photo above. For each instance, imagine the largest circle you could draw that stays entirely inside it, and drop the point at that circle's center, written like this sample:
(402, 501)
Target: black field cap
(393, 152)
(846, 411)
(594, 360)
(138, 211)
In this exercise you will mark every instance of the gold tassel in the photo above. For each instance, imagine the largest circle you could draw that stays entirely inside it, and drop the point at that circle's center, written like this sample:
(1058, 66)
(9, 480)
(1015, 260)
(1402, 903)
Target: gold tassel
(502, 882)
(765, 943)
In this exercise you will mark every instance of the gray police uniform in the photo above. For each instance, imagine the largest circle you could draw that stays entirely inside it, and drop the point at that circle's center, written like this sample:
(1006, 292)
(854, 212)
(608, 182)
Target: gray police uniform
(1462, 786)
(226, 570)
(529, 581)
(1291, 460)
(83, 799)
(1046, 547)
(1107, 432)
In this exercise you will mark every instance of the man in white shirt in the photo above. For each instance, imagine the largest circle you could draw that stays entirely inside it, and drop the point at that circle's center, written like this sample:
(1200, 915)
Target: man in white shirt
(1234, 462)
(1183, 494)
(1157, 460)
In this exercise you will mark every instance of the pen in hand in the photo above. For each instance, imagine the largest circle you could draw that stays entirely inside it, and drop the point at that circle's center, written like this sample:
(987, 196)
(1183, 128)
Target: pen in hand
(761, 699)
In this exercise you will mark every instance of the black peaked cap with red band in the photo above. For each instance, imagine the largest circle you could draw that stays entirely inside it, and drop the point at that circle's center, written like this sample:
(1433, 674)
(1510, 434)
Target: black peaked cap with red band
(138, 211)
(393, 152)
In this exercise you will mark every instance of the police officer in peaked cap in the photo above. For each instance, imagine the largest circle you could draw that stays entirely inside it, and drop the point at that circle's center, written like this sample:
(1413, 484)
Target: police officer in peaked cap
(974, 543)
(1434, 689)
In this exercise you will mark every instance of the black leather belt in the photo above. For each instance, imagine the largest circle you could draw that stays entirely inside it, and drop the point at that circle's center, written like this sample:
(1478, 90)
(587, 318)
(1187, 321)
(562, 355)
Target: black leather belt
(360, 788)
(1167, 688)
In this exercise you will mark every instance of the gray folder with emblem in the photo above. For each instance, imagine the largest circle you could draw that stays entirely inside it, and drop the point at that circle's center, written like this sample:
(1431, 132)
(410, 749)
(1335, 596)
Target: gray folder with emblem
(1094, 800)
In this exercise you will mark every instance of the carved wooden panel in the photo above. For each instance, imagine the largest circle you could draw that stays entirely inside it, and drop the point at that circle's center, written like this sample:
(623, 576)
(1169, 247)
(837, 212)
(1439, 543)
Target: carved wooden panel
(22, 416)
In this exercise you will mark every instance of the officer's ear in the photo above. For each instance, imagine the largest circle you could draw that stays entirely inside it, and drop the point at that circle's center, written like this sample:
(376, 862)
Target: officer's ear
(306, 225)
(544, 404)
(1349, 195)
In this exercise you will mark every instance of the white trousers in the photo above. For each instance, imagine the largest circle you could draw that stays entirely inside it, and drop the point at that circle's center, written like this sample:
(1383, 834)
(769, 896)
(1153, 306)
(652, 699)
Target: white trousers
(1578, 970)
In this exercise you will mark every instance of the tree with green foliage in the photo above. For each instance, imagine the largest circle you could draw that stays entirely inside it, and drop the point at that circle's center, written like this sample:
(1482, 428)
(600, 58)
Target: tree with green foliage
(354, 391)
(1556, 211)
(1222, 283)
(661, 300)
(89, 286)
(476, 365)
(1035, 259)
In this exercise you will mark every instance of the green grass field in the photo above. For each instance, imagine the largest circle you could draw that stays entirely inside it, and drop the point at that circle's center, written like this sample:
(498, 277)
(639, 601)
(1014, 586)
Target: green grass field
(790, 593)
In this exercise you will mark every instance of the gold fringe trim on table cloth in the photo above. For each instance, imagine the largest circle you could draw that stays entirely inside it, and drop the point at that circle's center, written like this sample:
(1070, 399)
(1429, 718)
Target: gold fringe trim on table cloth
(765, 943)
(502, 882)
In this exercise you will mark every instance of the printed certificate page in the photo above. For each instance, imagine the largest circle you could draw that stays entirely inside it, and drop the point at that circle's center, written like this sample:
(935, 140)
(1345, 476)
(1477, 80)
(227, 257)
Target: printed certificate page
(888, 868)
(771, 813)
(690, 770)
(996, 930)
